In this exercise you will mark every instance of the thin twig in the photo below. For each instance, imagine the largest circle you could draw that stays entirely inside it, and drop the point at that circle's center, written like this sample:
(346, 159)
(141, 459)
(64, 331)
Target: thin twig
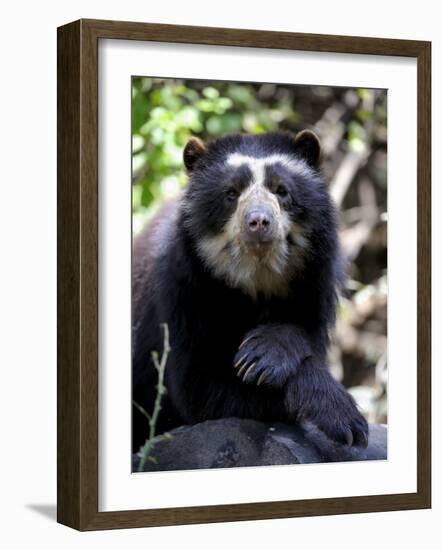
(142, 410)
(160, 367)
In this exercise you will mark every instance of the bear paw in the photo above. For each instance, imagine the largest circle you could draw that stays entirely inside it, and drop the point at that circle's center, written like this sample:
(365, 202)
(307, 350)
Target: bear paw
(339, 418)
(343, 423)
(269, 354)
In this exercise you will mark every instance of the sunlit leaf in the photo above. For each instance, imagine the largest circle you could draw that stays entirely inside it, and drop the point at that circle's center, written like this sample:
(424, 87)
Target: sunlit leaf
(210, 92)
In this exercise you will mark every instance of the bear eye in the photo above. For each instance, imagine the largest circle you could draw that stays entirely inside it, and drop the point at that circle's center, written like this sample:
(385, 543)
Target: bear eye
(281, 191)
(232, 194)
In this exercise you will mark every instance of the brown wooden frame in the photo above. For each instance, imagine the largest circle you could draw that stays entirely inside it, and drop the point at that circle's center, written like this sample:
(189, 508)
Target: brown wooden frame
(77, 427)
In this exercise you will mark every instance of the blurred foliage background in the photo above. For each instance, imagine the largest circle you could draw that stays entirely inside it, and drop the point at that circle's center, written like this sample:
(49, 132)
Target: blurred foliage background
(352, 126)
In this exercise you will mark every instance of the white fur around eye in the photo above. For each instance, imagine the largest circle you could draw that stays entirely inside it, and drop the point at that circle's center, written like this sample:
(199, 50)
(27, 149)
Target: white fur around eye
(257, 165)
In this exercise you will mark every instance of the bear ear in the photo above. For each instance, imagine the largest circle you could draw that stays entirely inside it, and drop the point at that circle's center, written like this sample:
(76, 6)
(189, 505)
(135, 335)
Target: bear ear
(308, 147)
(193, 151)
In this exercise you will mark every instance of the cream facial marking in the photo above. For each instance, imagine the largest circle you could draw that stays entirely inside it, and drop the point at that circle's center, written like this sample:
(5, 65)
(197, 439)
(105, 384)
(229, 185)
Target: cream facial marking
(268, 274)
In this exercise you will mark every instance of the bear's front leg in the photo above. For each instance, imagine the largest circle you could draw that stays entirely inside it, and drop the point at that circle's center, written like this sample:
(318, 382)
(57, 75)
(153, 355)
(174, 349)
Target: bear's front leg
(271, 353)
(315, 395)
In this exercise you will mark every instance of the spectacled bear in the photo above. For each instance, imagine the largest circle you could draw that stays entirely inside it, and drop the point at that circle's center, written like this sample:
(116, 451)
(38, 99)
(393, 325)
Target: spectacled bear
(244, 268)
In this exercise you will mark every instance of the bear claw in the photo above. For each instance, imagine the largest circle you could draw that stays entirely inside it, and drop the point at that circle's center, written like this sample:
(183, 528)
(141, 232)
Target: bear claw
(238, 363)
(244, 342)
(261, 378)
(248, 371)
(349, 438)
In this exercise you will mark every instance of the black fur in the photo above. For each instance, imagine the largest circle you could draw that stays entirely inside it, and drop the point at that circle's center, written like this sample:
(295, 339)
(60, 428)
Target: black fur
(285, 337)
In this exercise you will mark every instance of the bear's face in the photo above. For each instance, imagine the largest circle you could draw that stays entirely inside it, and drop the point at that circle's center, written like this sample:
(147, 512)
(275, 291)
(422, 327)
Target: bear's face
(251, 206)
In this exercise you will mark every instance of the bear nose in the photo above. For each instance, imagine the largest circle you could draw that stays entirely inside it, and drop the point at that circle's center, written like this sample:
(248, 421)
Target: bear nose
(259, 222)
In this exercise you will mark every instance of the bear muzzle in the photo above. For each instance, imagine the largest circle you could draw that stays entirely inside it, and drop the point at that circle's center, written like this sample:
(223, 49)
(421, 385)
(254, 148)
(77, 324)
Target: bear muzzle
(259, 225)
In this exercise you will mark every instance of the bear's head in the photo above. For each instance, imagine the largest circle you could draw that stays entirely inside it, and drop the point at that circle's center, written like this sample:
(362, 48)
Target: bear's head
(252, 205)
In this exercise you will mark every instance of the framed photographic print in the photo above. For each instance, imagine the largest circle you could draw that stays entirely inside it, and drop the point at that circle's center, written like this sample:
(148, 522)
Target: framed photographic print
(243, 274)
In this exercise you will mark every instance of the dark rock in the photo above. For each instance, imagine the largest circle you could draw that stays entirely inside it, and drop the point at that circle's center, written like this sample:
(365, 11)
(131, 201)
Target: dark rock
(235, 442)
